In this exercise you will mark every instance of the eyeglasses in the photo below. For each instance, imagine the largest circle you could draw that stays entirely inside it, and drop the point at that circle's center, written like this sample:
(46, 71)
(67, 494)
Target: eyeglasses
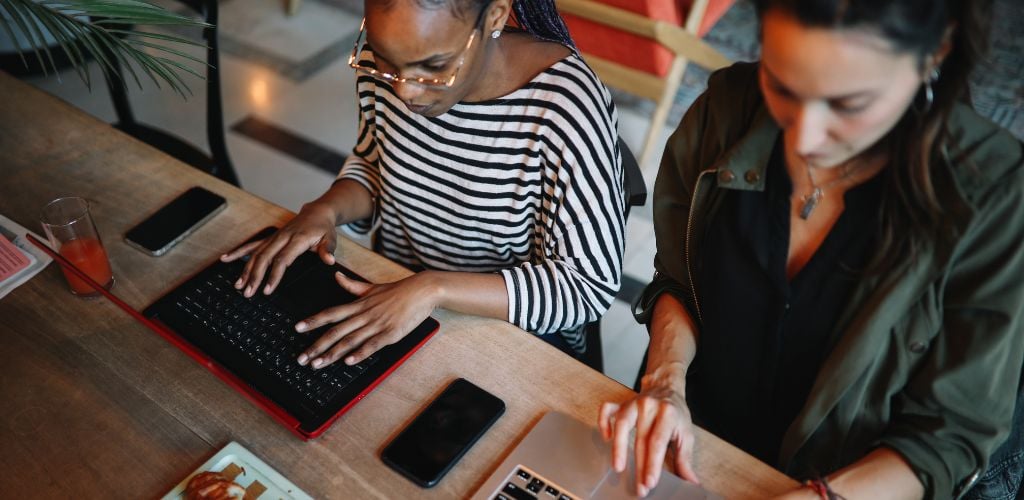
(437, 83)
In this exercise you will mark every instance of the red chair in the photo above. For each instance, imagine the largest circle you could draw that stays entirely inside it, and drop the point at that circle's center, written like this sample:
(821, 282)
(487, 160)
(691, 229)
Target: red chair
(643, 46)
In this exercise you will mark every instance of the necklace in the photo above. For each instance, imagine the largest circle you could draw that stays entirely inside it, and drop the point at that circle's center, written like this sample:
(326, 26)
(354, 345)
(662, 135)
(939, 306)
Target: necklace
(818, 192)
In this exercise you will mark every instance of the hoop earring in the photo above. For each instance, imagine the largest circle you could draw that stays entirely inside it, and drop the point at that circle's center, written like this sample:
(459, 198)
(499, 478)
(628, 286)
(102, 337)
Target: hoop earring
(495, 34)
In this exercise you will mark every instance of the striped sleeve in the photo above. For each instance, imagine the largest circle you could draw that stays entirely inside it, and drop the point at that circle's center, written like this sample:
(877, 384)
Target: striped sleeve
(361, 166)
(576, 279)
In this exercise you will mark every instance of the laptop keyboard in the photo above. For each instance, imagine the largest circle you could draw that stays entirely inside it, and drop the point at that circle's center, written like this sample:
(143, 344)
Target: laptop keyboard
(264, 333)
(525, 484)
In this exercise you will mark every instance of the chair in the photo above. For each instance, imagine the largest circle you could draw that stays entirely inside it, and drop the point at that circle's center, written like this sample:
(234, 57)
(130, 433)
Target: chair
(218, 163)
(636, 196)
(638, 46)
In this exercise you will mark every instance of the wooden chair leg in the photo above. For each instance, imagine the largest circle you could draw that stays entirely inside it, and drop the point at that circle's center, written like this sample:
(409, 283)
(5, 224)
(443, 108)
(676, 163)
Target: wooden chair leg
(672, 81)
(293, 6)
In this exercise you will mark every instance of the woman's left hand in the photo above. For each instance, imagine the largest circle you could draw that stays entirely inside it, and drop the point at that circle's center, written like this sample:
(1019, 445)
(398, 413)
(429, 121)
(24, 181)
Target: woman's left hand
(383, 314)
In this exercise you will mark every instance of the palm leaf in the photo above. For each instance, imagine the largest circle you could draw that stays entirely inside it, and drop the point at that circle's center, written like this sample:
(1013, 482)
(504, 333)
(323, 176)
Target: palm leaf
(100, 28)
(75, 54)
(23, 22)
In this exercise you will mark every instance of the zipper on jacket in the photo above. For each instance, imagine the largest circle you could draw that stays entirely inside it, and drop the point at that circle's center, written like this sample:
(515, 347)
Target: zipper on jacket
(686, 243)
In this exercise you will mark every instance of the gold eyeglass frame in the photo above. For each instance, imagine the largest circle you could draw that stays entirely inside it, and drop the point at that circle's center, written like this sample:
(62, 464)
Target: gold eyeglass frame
(393, 78)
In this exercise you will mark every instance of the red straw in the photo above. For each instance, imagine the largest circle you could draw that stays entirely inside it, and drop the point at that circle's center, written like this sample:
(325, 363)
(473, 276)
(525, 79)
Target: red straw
(64, 262)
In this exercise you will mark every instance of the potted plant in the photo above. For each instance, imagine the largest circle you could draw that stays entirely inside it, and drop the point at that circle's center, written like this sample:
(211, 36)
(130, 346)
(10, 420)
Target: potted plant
(102, 29)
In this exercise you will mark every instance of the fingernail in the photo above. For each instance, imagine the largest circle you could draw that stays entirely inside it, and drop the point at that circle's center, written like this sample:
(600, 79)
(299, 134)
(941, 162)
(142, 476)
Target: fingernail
(248, 291)
(643, 491)
(223, 256)
(351, 360)
(266, 290)
(238, 284)
(303, 359)
(300, 326)
(317, 362)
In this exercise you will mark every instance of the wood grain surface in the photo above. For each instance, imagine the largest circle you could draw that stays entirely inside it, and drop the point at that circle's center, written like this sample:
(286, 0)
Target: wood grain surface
(98, 406)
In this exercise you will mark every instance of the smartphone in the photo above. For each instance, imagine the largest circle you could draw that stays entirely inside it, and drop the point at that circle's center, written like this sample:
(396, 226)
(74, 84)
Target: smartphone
(174, 221)
(443, 432)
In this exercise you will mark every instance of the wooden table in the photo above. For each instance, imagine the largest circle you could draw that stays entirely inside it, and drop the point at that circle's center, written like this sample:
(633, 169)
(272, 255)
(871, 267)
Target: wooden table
(98, 406)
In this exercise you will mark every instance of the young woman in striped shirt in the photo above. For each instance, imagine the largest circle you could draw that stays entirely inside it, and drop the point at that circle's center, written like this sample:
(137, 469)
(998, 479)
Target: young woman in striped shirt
(486, 160)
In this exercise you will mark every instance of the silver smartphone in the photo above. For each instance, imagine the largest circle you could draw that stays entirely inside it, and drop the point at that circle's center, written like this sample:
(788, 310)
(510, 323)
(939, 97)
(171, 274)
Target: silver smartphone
(174, 221)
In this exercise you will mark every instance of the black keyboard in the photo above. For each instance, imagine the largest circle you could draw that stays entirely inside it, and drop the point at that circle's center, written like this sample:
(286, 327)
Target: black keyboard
(265, 334)
(255, 339)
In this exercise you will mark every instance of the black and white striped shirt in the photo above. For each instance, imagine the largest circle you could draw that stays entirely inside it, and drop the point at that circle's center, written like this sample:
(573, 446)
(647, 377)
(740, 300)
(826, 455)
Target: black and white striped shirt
(529, 185)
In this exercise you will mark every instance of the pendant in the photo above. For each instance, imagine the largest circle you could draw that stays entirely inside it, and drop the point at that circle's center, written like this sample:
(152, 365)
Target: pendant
(810, 203)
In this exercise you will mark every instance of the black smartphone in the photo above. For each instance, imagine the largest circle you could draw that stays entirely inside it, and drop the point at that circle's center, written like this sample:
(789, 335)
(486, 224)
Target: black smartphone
(174, 221)
(443, 432)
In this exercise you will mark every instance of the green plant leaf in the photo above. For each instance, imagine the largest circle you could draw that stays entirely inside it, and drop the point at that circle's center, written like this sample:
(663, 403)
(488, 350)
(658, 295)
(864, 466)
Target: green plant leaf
(69, 44)
(14, 39)
(158, 36)
(75, 27)
(164, 48)
(117, 49)
(24, 22)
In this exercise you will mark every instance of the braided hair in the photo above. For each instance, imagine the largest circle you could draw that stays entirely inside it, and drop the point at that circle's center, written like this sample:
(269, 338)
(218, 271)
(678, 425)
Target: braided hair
(540, 18)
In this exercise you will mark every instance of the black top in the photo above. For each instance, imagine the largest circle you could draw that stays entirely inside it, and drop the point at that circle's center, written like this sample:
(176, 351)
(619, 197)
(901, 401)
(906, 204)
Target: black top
(764, 337)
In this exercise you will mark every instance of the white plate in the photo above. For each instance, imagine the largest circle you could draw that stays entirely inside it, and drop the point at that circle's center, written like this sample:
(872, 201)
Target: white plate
(255, 470)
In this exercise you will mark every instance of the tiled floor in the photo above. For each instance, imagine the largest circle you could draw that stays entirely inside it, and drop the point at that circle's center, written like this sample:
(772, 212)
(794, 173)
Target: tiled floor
(287, 77)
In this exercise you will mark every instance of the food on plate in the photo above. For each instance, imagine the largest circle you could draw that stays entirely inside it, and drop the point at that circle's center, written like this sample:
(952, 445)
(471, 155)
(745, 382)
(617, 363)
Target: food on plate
(213, 486)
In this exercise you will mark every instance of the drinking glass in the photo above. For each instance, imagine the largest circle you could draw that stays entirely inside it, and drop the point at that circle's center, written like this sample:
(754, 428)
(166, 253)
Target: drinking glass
(72, 233)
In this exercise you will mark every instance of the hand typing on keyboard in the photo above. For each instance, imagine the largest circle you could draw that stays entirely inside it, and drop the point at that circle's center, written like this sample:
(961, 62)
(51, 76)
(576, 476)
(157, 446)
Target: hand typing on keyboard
(383, 315)
(311, 229)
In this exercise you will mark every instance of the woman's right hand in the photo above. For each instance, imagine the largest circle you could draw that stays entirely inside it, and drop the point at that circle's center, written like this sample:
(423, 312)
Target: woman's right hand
(663, 427)
(312, 228)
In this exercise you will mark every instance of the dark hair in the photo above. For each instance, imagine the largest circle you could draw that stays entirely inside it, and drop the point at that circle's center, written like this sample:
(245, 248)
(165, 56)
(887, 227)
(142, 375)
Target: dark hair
(540, 18)
(911, 212)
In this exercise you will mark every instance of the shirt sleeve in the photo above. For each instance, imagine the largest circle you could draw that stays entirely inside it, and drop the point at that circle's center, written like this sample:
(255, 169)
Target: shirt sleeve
(361, 166)
(958, 406)
(577, 277)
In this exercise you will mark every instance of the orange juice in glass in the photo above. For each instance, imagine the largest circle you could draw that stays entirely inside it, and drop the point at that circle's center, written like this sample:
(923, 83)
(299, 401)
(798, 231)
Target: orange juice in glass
(72, 233)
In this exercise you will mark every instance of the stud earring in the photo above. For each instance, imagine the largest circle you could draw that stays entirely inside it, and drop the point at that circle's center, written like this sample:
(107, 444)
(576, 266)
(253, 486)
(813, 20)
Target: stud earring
(495, 34)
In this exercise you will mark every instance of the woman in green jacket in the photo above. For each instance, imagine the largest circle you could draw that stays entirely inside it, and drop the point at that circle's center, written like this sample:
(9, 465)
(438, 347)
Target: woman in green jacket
(840, 266)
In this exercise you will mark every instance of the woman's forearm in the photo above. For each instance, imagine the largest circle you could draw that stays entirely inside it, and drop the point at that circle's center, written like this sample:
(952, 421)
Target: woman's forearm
(673, 344)
(883, 473)
(348, 200)
(481, 294)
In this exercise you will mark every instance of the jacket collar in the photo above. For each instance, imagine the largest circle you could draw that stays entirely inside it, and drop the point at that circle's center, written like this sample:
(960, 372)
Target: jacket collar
(744, 165)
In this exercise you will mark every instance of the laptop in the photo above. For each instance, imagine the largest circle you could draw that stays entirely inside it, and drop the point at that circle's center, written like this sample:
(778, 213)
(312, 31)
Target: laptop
(562, 458)
(251, 343)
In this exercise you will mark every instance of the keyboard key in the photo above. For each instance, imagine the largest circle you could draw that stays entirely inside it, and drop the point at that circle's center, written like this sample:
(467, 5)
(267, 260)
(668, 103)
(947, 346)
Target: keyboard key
(523, 474)
(551, 491)
(535, 486)
(517, 493)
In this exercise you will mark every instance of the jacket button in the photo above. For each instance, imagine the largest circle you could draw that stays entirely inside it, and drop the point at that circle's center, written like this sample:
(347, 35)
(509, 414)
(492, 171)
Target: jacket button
(917, 347)
(726, 176)
(752, 176)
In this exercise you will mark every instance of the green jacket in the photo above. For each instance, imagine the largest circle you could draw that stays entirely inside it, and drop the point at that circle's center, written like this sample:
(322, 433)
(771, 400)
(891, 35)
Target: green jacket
(930, 355)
